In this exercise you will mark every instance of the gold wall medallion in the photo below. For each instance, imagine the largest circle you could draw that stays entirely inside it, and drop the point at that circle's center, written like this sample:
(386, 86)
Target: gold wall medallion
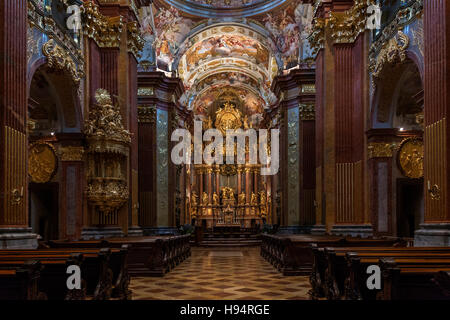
(42, 162)
(410, 158)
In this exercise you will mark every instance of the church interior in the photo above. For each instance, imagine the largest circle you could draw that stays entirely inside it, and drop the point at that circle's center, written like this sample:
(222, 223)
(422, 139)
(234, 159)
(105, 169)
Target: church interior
(342, 167)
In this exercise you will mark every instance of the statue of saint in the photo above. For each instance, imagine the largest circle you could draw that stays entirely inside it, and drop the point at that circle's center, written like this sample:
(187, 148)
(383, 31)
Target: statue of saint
(254, 199)
(241, 199)
(262, 198)
(194, 199)
(205, 199)
(231, 194)
(216, 200)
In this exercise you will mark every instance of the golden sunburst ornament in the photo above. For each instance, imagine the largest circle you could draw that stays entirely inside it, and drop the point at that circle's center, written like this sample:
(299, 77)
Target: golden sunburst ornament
(228, 118)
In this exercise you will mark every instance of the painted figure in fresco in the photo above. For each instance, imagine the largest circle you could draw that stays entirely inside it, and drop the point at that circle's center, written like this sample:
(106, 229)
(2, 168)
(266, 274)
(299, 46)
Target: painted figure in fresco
(171, 30)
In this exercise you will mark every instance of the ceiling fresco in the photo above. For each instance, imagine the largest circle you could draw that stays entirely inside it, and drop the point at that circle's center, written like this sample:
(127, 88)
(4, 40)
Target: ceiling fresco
(225, 8)
(227, 45)
(226, 53)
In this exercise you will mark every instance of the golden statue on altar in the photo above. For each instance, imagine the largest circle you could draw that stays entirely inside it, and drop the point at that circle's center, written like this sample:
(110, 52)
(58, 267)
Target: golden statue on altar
(194, 204)
(227, 193)
(216, 200)
(262, 198)
(205, 199)
(241, 199)
(254, 199)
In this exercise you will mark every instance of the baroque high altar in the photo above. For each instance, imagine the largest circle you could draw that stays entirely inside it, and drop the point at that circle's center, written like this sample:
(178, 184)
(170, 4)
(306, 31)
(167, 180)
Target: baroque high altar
(228, 194)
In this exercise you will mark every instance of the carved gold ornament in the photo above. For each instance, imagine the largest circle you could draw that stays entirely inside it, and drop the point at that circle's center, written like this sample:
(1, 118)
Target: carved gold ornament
(71, 153)
(134, 39)
(410, 158)
(42, 162)
(105, 31)
(306, 112)
(228, 170)
(345, 27)
(317, 36)
(108, 150)
(228, 118)
(392, 52)
(380, 149)
(147, 114)
(60, 59)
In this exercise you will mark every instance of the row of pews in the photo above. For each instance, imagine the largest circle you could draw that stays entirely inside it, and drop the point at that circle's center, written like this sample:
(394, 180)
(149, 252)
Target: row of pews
(106, 267)
(42, 274)
(148, 256)
(340, 268)
(407, 273)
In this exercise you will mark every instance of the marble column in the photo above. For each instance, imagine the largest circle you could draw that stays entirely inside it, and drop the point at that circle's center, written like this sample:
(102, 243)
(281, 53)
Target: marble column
(298, 92)
(156, 96)
(435, 231)
(247, 171)
(239, 179)
(209, 172)
(14, 226)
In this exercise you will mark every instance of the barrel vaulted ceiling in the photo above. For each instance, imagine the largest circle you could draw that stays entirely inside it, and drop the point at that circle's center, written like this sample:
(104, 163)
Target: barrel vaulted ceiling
(225, 47)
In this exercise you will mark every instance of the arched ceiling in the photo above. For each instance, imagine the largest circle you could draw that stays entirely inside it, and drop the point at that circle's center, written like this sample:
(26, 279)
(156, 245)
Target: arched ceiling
(228, 55)
(225, 8)
(227, 52)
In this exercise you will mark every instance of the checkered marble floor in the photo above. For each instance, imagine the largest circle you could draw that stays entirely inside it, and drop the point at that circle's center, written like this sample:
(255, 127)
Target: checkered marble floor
(216, 274)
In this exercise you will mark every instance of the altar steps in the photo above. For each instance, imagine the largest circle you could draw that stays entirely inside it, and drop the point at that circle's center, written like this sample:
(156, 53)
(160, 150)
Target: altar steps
(232, 240)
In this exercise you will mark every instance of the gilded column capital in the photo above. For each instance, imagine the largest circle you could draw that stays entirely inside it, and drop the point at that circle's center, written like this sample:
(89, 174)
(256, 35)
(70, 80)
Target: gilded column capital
(347, 26)
(105, 31)
(317, 36)
(147, 114)
(135, 41)
(306, 111)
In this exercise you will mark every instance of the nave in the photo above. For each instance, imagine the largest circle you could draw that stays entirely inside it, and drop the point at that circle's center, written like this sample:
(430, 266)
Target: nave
(222, 274)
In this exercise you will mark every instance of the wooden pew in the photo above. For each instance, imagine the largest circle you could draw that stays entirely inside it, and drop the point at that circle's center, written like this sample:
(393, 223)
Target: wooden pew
(345, 274)
(147, 256)
(21, 283)
(53, 277)
(293, 255)
(97, 276)
(412, 279)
